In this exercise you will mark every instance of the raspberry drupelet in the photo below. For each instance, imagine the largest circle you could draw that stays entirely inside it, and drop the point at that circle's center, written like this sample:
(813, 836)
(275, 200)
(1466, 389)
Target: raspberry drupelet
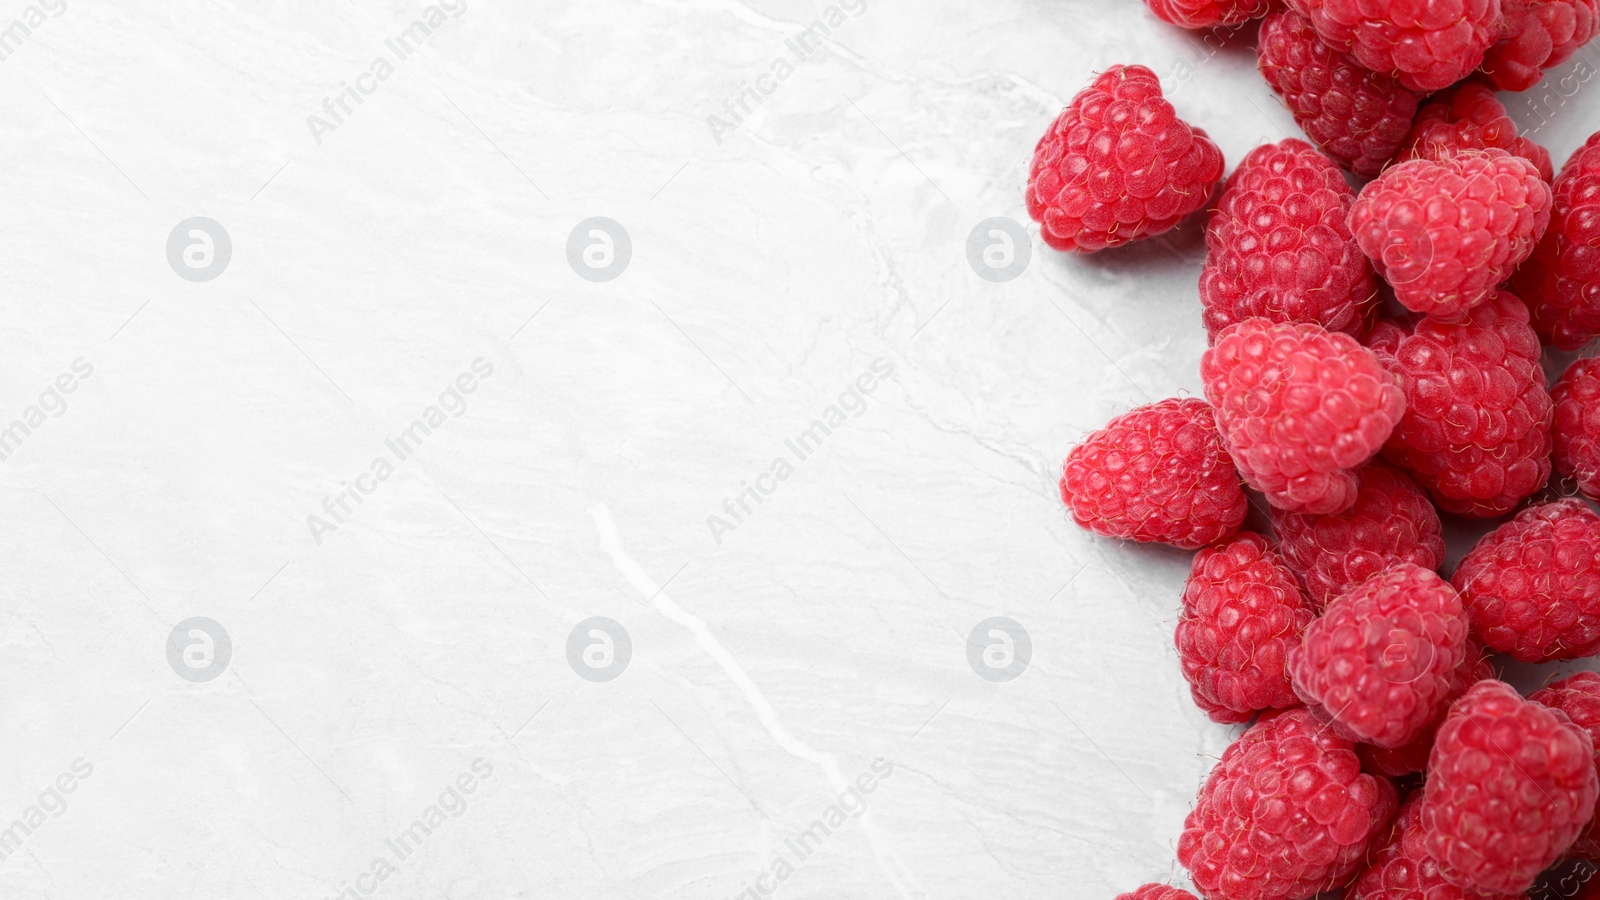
(1208, 13)
(1469, 117)
(1427, 46)
(1156, 892)
(1242, 614)
(1118, 165)
(1561, 280)
(1278, 245)
(1539, 35)
(1532, 586)
(1476, 432)
(1355, 115)
(1381, 660)
(1576, 431)
(1287, 812)
(1511, 783)
(1300, 409)
(1446, 232)
(1158, 473)
(1392, 521)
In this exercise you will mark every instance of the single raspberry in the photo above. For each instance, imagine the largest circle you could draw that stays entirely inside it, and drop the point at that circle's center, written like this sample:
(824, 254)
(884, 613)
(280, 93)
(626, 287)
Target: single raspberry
(1510, 785)
(1156, 892)
(1532, 586)
(1300, 408)
(1428, 46)
(1561, 281)
(1403, 870)
(1469, 117)
(1119, 165)
(1476, 433)
(1208, 13)
(1278, 246)
(1379, 662)
(1156, 473)
(1242, 612)
(1286, 813)
(1577, 425)
(1539, 35)
(1579, 697)
(1446, 232)
(1413, 757)
(1392, 521)
(1357, 116)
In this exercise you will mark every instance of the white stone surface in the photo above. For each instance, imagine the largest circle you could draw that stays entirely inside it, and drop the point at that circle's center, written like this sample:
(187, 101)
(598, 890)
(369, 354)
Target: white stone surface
(769, 269)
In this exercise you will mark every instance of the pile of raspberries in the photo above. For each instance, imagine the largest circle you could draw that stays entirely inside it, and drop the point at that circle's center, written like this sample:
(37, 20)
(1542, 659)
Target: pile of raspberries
(1375, 362)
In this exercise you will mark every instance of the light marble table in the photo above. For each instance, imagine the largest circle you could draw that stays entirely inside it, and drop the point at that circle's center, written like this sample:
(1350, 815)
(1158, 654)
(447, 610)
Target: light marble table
(257, 623)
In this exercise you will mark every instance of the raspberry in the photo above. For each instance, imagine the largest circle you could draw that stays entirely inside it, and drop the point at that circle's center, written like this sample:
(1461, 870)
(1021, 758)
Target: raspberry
(1391, 521)
(1446, 232)
(1469, 117)
(1242, 612)
(1380, 661)
(1579, 697)
(1429, 46)
(1532, 586)
(1403, 870)
(1357, 116)
(1576, 431)
(1300, 407)
(1278, 245)
(1476, 433)
(1119, 165)
(1286, 813)
(1156, 892)
(1413, 757)
(1208, 13)
(1539, 34)
(1510, 785)
(1156, 473)
(1561, 281)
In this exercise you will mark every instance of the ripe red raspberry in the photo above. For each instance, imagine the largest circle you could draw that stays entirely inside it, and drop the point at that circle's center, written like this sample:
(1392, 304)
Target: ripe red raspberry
(1119, 165)
(1446, 232)
(1157, 892)
(1579, 697)
(1561, 281)
(1286, 813)
(1510, 785)
(1242, 612)
(1300, 409)
(1391, 521)
(1539, 35)
(1469, 117)
(1403, 870)
(1428, 46)
(1532, 586)
(1156, 473)
(1278, 246)
(1208, 13)
(1413, 757)
(1379, 662)
(1476, 433)
(1577, 425)
(1357, 116)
